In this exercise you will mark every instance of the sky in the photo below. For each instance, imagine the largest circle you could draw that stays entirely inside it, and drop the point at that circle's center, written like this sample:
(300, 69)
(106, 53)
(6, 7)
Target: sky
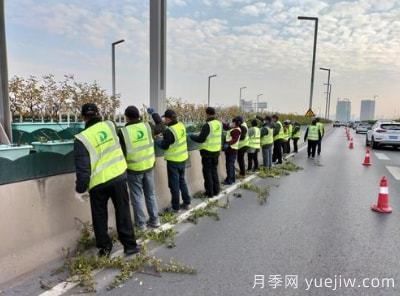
(253, 43)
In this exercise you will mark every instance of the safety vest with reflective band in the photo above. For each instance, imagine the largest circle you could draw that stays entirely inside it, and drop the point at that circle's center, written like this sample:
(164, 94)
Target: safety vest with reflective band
(321, 128)
(178, 151)
(297, 134)
(228, 138)
(281, 134)
(245, 141)
(290, 129)
(286, 134)
(107, 160)
(213, 142)
(313, 133)
(269, 138)
(140, 154)
(255, 139)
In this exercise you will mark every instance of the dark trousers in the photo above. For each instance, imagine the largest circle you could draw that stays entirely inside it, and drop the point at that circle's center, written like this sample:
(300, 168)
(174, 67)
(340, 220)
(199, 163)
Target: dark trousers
(277, 152)
(240, 159)
(295, 141)
(286, 146)
(210, 174)
(230, 159)
(311, 148)
(252, 158)
(319, 147)
(177, 184)
(118, 192)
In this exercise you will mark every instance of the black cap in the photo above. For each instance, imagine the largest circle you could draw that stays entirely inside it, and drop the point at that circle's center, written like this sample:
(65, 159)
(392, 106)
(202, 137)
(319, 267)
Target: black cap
(89, 109)
(132, 112)
(210, 111)
(238, 120)
(169, 114)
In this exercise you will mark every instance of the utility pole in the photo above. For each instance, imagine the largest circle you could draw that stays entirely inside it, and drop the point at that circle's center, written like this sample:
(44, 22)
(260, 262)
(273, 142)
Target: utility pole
(113, 64)
(5, 118)
(315, 19)
(209, 87)
(327, 90)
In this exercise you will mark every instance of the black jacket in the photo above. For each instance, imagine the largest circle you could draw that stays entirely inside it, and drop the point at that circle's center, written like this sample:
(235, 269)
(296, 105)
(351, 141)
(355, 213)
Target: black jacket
(82, 164)
(202, 137)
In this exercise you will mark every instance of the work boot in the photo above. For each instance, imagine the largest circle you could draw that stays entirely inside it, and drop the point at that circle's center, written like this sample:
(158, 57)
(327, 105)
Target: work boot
(171, 210)
(132, 250)
(185, 207)
(104, 252)
(155, 224)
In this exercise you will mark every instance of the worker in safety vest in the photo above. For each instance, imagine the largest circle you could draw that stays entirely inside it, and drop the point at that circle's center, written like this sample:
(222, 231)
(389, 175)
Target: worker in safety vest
(296, 134)
(243, 146)
(313, 135)
(101, 169)
(231, 147)
(254, 146)
(138, 146)
(286, 137)
(278, 139)
(267, 141)
(174, 143)
(322, 131)
(210, 138)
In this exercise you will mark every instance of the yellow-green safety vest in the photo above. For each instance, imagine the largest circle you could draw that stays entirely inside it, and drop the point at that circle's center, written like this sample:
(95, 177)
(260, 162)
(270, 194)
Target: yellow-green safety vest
(286, 134)
(297, 134)
(140, 152)
(245, 141)
(281, 134)
(313, 133)
(178, 151)
(290, 131)
(213, 142)
(269, 138)
(255, 139)
(228, 138)
(321, 128)
(107, 160)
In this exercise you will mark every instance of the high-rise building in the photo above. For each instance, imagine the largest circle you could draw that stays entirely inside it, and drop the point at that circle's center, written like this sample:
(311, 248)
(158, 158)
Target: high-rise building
(343, 110)
(367, 110)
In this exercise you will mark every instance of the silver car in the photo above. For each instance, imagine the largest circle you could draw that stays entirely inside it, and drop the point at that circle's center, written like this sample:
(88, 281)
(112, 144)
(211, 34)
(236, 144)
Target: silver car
(384, 134)
(363, 127)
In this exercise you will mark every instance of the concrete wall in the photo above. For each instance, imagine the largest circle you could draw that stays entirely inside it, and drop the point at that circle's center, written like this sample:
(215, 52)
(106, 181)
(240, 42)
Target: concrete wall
(38, 217)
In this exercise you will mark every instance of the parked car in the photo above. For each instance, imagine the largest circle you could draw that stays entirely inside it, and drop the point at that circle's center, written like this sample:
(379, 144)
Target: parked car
(337, 124)
(384, 134)
(363, 127)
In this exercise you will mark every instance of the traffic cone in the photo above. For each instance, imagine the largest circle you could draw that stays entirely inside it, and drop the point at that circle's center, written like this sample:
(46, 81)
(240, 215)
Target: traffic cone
(351, 145)
(383, 198)
(367, 159)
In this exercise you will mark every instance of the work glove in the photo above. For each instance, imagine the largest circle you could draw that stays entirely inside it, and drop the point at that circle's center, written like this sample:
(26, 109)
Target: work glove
(82, 197)
(150, 110)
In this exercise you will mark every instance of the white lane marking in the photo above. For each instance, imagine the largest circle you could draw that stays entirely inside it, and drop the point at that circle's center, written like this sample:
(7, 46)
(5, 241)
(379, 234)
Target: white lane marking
(381, 156)
(395, 171)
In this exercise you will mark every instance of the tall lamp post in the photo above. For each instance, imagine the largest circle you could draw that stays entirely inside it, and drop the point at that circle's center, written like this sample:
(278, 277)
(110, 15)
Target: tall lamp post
(240, 96)
(315, 19)
(209, 87)
(327, 90)
(5, 120)
(258, 97)
(113, 45)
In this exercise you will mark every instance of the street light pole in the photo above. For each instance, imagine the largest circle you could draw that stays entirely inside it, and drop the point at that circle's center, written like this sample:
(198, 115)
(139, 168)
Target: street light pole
(327, 90)
(5, 118)
(113, 64)
(258, 97)
(315, 19)
(240, 96)
(209, 87)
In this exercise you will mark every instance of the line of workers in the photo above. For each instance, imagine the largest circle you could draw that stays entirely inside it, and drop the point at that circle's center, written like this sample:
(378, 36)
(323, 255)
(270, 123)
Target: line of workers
(119, 164)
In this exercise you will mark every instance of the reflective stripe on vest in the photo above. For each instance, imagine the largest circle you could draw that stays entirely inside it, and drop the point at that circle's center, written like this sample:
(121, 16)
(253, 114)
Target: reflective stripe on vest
(228, 138)
(107, 160)
(213, 142)
(269, 138)
(254, 140)
(290, 131)
(297, 134)
(280, 135)
(245, 141)
(140, 153)
(313, 133)
(178, 151)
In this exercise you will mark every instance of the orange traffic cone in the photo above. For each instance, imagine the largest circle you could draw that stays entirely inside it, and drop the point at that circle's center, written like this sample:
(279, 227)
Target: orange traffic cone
(367, 159)
(351, 145)
(383, 198)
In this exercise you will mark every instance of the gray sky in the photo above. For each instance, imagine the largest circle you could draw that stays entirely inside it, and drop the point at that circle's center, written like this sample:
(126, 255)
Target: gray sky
(260, 44)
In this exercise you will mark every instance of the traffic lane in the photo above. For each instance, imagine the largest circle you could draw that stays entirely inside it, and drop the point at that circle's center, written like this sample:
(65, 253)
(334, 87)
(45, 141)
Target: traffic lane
(317, 223)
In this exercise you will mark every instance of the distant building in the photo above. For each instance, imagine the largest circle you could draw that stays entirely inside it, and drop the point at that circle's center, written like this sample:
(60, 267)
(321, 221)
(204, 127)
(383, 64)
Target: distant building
(367, 110)
(343, 110)
(247, 106)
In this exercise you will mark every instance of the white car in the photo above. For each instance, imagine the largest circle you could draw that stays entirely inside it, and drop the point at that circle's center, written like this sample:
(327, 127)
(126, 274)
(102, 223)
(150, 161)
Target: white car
(363, 127)
(384, 134)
